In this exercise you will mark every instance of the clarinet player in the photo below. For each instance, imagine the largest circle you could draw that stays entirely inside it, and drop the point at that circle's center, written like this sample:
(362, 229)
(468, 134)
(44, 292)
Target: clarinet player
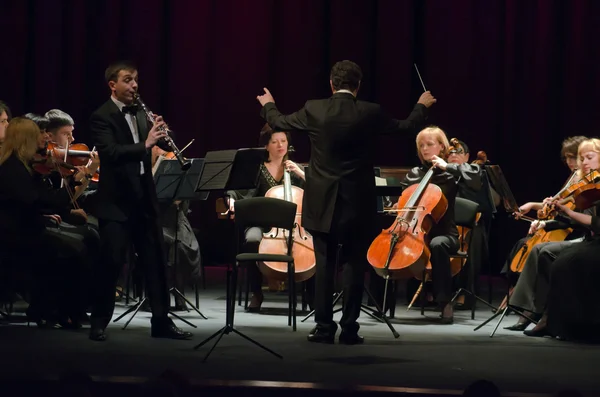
(127, 203)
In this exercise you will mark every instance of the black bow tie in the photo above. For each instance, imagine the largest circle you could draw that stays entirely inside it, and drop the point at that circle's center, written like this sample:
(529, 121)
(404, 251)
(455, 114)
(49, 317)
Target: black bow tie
(131, 109)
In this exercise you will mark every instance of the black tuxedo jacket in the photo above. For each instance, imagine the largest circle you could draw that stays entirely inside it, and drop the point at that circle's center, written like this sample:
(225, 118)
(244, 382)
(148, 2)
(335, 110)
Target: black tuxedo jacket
(121, 188)
(343, 133)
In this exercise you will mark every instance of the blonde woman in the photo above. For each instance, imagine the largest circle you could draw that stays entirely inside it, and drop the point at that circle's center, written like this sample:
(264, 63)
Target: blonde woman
(24, 243)
(432, 149)
(572, 311)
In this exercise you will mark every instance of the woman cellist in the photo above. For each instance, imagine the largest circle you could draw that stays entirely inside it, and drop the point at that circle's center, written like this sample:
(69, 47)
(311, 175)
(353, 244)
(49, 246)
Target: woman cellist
(572, 310)
(271, 174)
(432, 149)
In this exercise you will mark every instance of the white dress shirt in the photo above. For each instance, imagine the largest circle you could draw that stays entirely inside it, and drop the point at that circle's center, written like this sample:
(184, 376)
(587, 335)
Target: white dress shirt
(132, 121)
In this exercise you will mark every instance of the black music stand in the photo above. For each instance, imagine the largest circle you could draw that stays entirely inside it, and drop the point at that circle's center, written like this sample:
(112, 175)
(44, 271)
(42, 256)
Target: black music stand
(172, 184)
(510, 205)
(231, 170)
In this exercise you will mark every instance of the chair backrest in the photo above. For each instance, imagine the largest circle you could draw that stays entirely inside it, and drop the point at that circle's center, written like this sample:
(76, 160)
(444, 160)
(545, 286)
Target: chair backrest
(265, 212)
(465, 212)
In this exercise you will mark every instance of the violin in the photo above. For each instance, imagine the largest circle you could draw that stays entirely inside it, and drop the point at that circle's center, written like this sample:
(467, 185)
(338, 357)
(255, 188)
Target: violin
(586, 192)
(45, 164)
(402, 248)
(77, 154)
(275, 241)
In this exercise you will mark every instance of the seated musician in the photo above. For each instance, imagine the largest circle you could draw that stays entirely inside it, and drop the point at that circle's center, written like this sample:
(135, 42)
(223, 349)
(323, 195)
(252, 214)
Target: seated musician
(482, 195)
(571, 310)
(69, 227)
(60, 127)
(569, 157)
(530, 288)
(4, 119)
(26, 245)
(174, 215)
(271, 174)
(432, 147)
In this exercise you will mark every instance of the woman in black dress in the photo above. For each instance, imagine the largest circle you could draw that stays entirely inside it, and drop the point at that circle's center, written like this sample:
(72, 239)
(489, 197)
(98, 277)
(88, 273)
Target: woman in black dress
(271, 174)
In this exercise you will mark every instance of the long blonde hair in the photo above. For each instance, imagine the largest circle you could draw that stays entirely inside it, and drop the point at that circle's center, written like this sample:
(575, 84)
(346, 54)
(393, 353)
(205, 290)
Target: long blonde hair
(439, 135)
(21, 139)
(592, 144)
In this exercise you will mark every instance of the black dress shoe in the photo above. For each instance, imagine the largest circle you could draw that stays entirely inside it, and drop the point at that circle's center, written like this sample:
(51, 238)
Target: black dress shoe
(351, 339)
(97, 334)
(170, 331)
(320, 336)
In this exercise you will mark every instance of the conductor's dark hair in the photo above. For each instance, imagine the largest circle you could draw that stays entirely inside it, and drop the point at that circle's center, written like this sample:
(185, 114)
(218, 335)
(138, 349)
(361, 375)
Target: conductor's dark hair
(345, 75)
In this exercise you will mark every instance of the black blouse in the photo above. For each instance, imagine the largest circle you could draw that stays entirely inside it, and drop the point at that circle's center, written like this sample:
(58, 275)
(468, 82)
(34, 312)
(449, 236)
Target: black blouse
(265, 182)
(23, 199)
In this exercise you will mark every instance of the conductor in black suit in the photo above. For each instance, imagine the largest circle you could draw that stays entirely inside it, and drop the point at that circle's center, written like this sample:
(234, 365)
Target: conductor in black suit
(339, 198)
(127, 203)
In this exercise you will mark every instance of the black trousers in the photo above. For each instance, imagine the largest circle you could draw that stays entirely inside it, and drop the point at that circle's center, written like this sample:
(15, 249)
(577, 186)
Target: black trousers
(355, 234)
(143, 230)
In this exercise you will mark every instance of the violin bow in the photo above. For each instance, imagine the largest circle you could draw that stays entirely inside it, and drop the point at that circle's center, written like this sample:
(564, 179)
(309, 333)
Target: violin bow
(419, 74)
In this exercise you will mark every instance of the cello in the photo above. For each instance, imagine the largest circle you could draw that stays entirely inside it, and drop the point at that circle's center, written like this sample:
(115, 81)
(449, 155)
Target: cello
(275, 240)
(402, 250)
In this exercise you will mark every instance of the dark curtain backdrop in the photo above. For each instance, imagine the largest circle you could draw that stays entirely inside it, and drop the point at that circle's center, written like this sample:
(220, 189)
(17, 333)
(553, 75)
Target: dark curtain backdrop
(512, 78)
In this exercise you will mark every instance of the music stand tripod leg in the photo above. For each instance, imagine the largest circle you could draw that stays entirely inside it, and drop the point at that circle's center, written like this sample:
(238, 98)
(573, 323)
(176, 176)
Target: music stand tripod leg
(229, 316)
(337, 296)
(135, 310)
(379, 311)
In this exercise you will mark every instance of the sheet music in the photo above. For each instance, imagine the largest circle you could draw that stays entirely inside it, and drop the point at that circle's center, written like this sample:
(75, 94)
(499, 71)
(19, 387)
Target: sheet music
(380, 181)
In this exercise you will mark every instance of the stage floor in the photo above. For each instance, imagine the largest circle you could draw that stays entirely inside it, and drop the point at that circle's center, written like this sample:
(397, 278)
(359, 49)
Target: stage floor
(425, 356)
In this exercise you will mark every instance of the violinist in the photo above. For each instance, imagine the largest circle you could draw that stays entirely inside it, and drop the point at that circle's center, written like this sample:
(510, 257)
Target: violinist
(68, 227)
(571, 310)
(569, 157)
(174, 216)
(271, 174)
(568, 154)
(60, 127)
(4, 120)
(432, 149)
(25, 240)
(529, 292)
(339, 205)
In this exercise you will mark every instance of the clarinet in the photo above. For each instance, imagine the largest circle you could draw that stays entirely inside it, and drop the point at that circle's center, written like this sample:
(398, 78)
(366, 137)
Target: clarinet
(185, 164)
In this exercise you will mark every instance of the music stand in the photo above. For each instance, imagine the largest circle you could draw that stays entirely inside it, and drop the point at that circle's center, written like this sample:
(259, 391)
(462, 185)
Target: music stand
(231, 170)
(173, 184)
(510, 205)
